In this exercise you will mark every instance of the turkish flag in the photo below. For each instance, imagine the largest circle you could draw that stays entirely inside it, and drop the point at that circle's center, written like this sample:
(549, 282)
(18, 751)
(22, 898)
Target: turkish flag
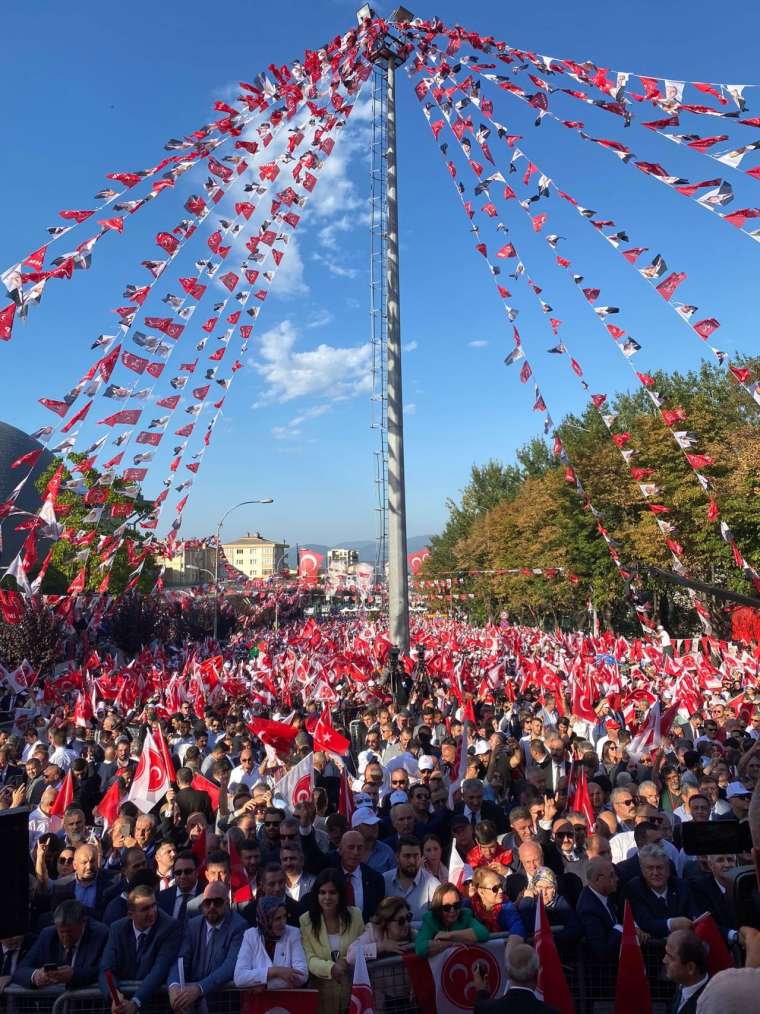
(204, 785)
(362, 994)
(108, 807)
(326, 738)
(632, 987)
(718, 955)
(276, 734)
(166, 755)
(309, 564)
(151, 781)
(552, 984)
(65, 796)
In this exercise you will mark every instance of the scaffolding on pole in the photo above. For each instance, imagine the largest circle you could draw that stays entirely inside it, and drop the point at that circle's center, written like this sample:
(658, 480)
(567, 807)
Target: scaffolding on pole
(379, 314)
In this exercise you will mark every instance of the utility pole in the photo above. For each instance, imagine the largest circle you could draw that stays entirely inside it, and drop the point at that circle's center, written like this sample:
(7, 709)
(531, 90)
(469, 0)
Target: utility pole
(390, 52)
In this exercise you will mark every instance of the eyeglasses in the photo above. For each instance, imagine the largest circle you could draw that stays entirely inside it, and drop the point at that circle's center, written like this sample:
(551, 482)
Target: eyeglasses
(454, 906)
(187, 872)
(399, 781)
(272, 823)
(287, 837)
(564, 834)
(626, 802)
(217, 902)
(403, 920)
(494, 888)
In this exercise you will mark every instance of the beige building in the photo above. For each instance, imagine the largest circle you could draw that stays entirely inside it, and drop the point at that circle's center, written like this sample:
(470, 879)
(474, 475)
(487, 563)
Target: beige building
(256, 556)
(342, 559)
(189, 566)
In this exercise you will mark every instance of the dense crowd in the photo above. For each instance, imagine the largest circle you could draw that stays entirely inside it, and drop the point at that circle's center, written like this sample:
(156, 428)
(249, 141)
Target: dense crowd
(445, 797)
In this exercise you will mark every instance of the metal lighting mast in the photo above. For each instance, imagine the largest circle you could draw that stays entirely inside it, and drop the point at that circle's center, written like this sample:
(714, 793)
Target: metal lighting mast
(388, 55)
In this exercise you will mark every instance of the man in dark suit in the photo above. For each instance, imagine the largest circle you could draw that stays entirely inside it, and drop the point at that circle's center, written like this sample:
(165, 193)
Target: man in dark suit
(174, 900)
(599, 912)
(190, 800)
(140, 948)
(10, 774)
(711, 891)
(89, 885)
(364, 887)
(74, 944)
(520, 998)
(475, 808)
(659, 904)
(209, 950)
(685, 964)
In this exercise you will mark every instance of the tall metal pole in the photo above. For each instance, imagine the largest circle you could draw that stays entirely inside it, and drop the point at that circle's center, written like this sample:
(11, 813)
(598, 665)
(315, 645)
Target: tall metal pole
(398, 582)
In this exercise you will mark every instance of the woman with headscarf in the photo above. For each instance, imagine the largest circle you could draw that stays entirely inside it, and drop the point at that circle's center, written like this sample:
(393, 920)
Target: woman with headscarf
(271, 955)
(566, 929)
(328, 929)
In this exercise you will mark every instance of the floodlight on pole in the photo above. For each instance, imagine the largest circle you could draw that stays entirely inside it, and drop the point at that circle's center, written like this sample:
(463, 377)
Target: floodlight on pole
(243, 503)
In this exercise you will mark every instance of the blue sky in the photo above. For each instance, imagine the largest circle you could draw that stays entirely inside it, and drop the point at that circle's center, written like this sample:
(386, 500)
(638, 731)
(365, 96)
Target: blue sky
(91, 89)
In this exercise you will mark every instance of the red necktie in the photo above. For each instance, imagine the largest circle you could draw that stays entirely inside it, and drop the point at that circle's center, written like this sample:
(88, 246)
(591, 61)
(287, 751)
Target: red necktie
(350, 899)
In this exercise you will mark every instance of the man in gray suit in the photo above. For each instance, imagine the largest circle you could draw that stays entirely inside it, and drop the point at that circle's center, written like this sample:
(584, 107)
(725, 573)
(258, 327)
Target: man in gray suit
(208, 953)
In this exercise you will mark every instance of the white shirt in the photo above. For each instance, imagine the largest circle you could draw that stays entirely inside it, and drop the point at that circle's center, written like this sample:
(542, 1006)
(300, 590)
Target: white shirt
(29, 749)
(239, 776)
(63, 757)
(39, 824)
(301, 887)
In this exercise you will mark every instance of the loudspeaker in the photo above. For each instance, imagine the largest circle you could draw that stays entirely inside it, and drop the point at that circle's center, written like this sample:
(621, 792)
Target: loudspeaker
(14, 872)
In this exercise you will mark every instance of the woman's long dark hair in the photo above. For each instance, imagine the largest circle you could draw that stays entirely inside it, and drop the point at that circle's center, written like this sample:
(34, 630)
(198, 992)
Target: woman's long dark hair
(335, 878)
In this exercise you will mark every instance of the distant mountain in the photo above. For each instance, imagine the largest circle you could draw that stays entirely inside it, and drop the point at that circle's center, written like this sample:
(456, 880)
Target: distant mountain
(366, 549)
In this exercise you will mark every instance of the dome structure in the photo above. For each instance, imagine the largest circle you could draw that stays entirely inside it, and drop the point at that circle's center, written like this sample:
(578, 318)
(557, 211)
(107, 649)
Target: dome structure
(13, 444)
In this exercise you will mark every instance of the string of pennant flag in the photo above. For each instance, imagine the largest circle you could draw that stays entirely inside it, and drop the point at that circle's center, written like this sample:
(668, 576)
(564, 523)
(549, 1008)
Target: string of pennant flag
(263, 157)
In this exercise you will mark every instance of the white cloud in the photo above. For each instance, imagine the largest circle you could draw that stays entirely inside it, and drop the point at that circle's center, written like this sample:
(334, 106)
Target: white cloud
(293, 428)
(320, 318)
(289, 280)
(478, 344)
(409, 347)
(326, 372)
(410, 408)
(339, 270)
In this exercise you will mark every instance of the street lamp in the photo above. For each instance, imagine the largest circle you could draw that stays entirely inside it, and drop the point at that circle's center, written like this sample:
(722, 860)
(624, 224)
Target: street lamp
(243, 503)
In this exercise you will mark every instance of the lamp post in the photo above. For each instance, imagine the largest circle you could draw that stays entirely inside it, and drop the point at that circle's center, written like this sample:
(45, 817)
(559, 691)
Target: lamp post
(243, 503)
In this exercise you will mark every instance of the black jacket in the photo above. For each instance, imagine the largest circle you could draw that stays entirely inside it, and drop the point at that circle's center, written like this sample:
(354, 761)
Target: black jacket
(47, 949)
(373, 885)
(514, 1001)
(651, 913)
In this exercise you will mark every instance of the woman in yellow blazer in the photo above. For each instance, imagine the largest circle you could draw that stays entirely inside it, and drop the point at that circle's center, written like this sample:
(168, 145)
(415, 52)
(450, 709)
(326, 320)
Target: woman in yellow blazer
(328, 929)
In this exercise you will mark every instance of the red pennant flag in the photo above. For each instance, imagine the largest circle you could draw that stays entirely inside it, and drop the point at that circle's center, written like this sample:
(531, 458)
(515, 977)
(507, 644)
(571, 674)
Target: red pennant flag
(65, 796)
(632, 987)
(166, 757)
(718, 955)
(6, 321)
(204, 785)
(238, 876)
(77, 585)
(108, 807)
(31, 459)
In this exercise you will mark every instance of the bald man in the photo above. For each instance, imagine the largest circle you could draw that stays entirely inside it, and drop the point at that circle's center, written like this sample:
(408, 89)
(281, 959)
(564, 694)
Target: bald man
(365, 888)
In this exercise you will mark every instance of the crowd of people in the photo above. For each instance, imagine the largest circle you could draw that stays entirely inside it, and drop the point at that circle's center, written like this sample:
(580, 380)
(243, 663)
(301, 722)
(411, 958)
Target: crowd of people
(448, 797)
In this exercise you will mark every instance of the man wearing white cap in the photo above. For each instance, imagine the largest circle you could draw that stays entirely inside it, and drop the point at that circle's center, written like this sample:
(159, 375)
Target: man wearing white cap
(377, 855)
(738, 796)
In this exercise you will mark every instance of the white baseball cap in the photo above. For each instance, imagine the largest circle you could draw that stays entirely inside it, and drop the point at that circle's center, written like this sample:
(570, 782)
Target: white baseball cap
(364, 815)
